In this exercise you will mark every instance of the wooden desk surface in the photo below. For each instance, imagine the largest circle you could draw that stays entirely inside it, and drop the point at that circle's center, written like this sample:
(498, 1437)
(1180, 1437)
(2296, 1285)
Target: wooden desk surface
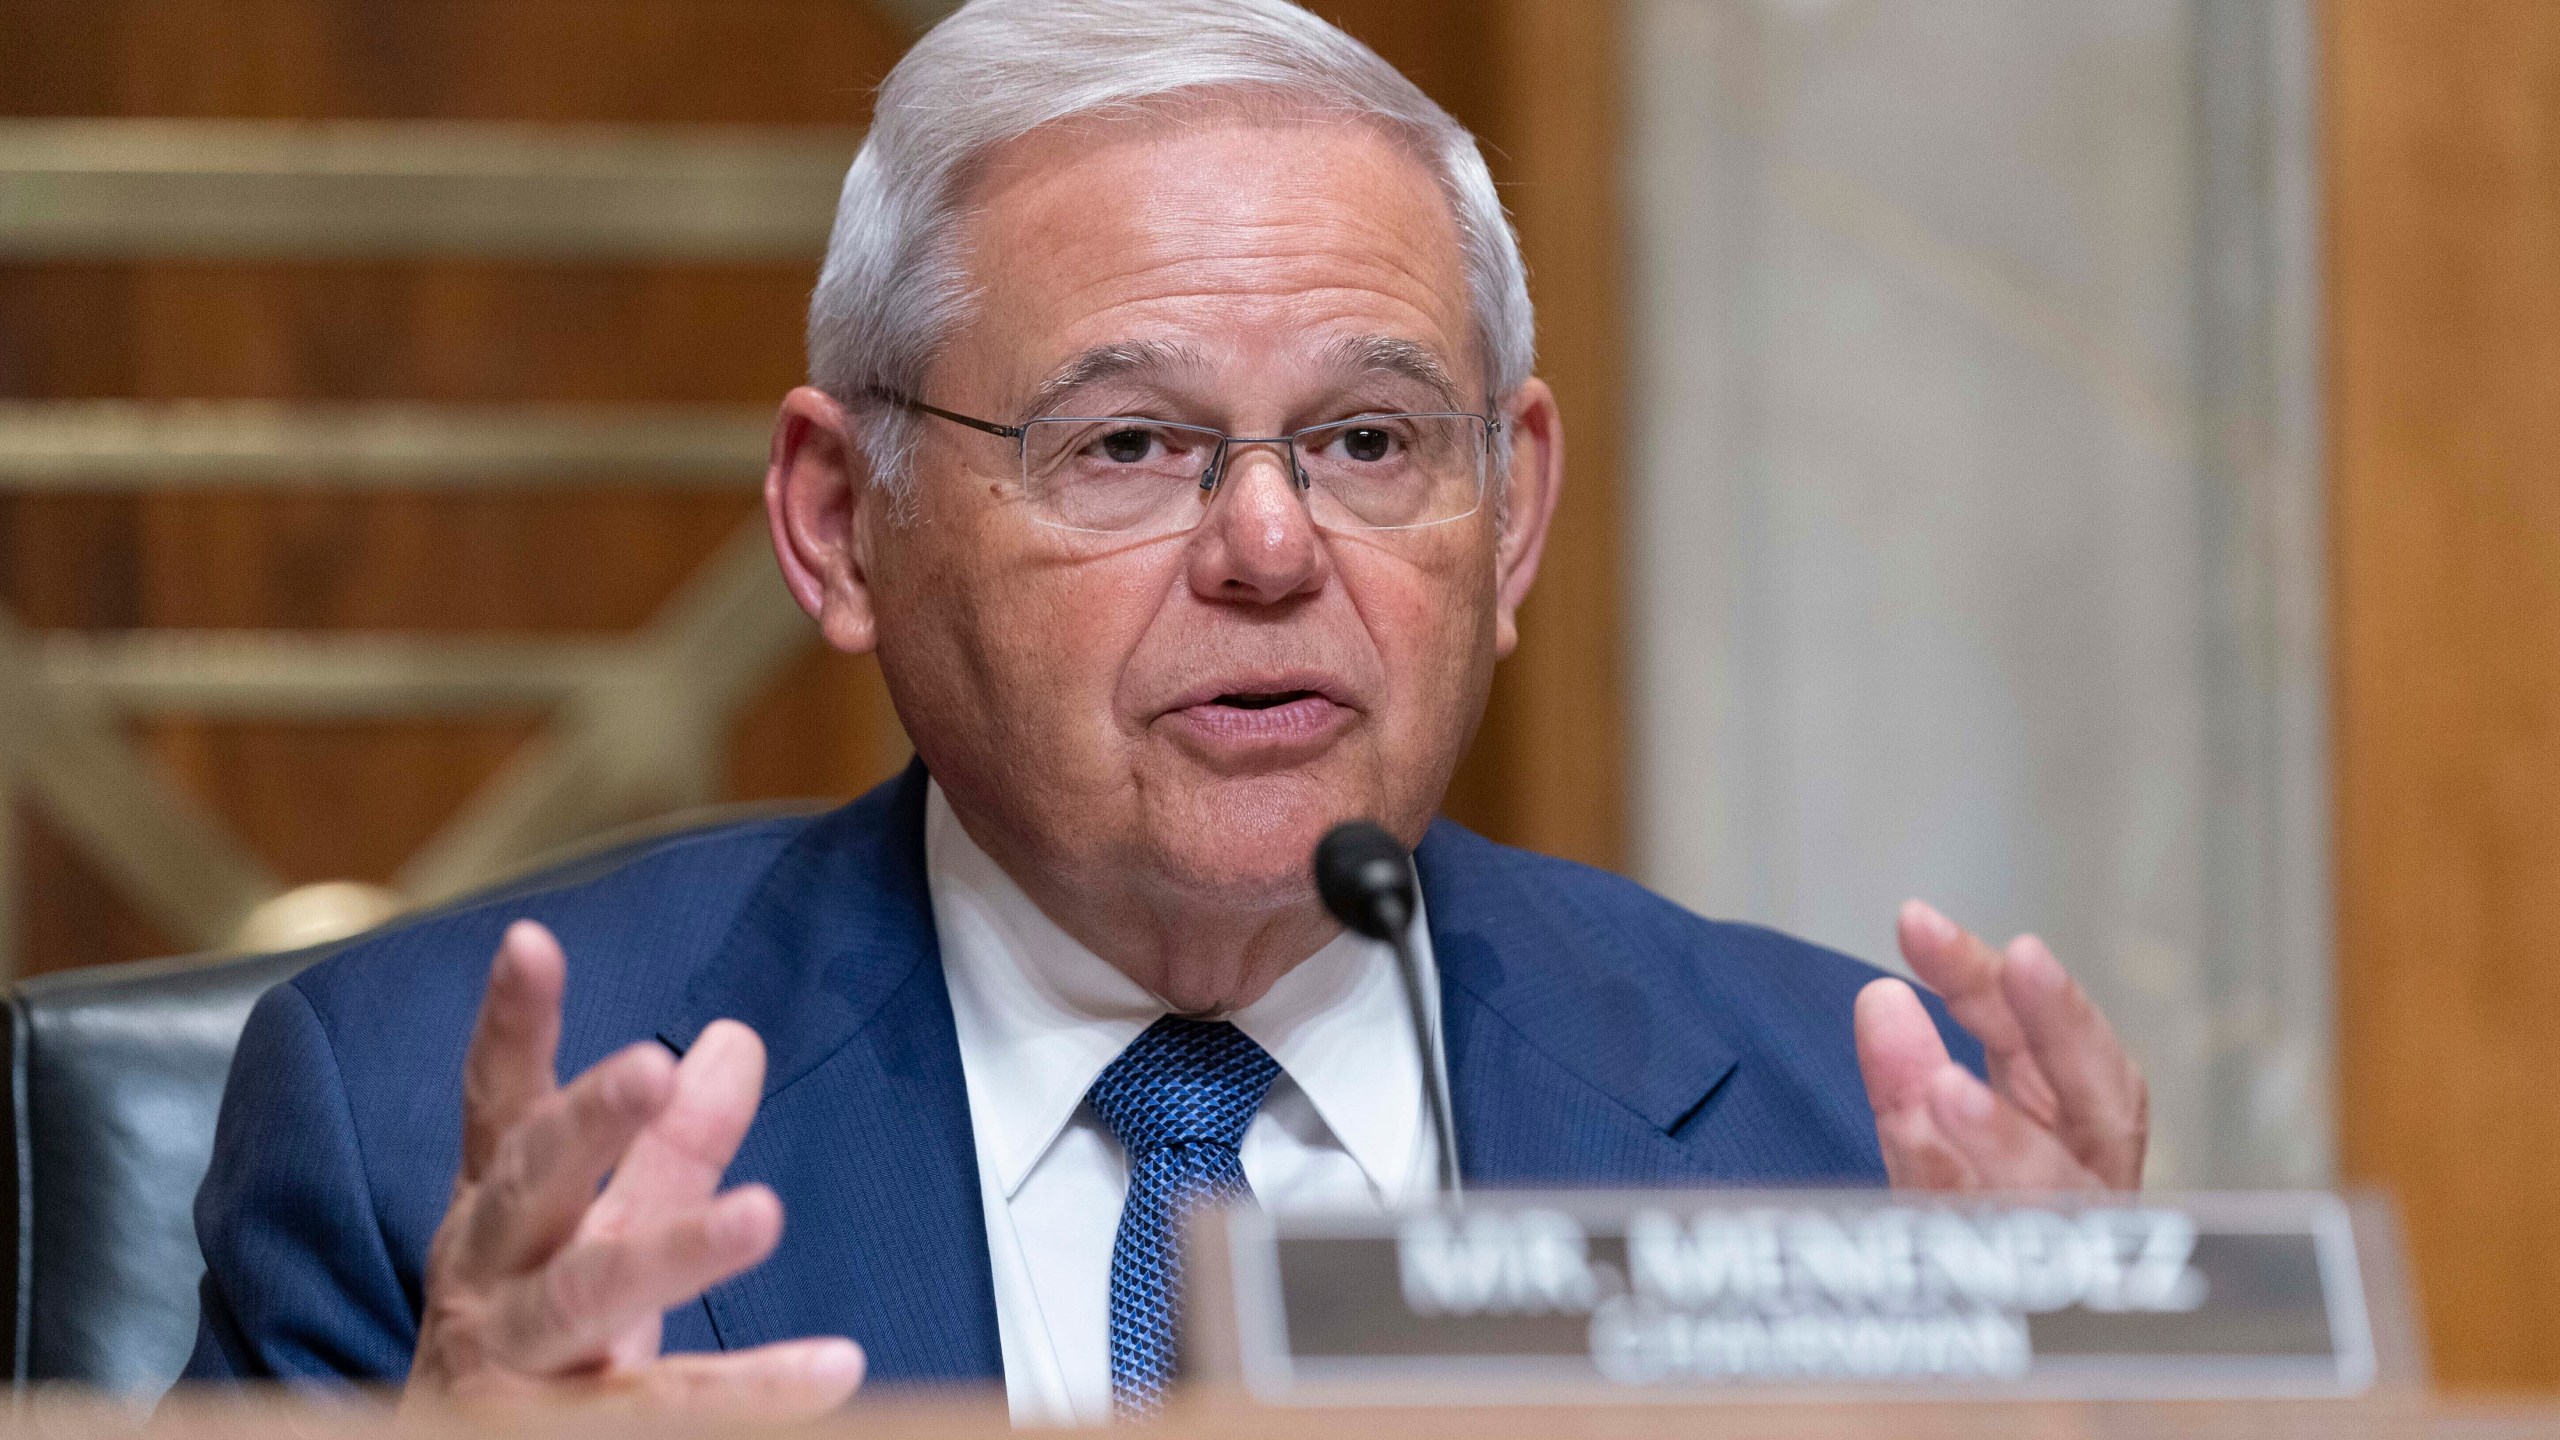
(255, 1415)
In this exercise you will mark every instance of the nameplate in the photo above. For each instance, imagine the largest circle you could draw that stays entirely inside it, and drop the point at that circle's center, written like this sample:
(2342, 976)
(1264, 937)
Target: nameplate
(1566, 1299)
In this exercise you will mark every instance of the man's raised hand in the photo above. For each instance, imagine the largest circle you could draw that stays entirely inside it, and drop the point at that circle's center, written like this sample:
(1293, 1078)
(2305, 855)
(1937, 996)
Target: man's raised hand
(540, 1288)
(2065, 1110)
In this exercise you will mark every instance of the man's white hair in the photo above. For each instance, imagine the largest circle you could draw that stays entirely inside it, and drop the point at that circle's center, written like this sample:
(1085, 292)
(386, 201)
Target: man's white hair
(893, 286)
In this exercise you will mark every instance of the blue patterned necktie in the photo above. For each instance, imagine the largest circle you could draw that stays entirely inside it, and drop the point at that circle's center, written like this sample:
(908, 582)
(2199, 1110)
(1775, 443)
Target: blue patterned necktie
(1179, 1098)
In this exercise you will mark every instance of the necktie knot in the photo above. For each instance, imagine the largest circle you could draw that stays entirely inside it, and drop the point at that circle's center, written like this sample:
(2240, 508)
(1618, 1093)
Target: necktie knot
(1184, 1082)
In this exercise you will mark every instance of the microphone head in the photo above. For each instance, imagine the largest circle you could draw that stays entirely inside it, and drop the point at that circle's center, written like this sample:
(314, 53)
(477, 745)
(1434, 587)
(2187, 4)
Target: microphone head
(1365, 879)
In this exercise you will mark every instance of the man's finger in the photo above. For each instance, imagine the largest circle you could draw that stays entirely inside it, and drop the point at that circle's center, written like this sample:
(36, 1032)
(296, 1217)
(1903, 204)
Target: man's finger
(678, 1161)
(790, 1380)
(565, 1316)
(515, 1042)
(1899, 1052)
(2004, 1147)
(1965, 971)
(2104, 1105)
(1899, 1047)
(545, 1171)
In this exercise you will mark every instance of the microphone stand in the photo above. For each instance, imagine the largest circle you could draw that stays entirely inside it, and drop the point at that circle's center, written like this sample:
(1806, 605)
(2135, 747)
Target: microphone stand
(1426, 1041)
(1366, 878)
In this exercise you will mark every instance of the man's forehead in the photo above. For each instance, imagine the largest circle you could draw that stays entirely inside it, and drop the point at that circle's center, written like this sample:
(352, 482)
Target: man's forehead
(1127, 250)
(1186, 364)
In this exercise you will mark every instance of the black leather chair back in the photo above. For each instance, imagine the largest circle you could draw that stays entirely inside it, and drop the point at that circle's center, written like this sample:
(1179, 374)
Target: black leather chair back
(115, 1075)
(115, 1079)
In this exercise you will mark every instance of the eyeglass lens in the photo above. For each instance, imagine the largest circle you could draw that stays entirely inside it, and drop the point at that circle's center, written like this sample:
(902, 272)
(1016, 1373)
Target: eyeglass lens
(1126, 474)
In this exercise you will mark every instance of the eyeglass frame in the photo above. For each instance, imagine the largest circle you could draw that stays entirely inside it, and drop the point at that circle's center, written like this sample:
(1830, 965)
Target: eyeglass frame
(1215, 472)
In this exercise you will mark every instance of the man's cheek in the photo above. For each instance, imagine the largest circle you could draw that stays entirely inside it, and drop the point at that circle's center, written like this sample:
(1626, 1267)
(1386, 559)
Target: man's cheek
(1062, 660)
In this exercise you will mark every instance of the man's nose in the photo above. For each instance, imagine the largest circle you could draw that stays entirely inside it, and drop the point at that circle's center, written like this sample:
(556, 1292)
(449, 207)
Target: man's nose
(1257, 544)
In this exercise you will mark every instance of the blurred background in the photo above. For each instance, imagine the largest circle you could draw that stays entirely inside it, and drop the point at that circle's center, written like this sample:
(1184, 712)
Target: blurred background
(2095, 465)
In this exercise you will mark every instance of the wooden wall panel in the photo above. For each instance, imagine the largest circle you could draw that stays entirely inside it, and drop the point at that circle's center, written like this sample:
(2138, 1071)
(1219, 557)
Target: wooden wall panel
(2444, 185)
(453, 331)
(760, 62)
(1555, 741)
(352, 800)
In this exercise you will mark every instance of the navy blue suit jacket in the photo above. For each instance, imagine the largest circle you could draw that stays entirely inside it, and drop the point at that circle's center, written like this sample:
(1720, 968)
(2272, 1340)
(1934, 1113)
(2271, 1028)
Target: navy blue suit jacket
(1597, 1035)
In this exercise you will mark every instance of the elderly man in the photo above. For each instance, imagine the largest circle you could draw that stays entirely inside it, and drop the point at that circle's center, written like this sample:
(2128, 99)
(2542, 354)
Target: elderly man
(1173, 442)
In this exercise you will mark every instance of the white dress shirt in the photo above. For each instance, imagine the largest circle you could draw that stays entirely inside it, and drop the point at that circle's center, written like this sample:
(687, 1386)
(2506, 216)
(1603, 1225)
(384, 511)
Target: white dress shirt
(1039, 1016)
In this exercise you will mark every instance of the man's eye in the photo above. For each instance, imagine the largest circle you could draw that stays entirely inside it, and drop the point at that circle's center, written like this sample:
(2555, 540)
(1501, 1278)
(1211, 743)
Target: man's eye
(1368, 445)
(1127, 447)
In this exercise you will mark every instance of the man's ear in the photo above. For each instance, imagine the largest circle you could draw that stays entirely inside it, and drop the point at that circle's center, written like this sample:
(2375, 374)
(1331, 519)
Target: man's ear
(1537, 476)
(819, 500)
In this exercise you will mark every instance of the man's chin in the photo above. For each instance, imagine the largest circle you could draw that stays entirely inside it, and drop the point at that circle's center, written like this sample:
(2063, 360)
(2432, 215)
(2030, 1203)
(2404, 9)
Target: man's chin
(1249, 840)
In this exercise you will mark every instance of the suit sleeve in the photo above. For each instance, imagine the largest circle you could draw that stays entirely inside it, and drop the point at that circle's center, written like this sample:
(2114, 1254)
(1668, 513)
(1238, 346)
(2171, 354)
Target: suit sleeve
(299, 1283)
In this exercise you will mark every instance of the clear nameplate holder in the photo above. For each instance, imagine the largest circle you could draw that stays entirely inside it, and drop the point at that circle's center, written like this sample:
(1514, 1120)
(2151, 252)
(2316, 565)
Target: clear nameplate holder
(1574, 1298)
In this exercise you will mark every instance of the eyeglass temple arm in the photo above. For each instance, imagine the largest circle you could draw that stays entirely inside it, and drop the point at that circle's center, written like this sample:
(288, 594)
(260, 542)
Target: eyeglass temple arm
(908, 402)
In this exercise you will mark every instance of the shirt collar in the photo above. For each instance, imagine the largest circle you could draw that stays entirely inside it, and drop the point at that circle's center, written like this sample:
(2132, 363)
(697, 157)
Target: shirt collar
(1338, 1026)
(1038, 1017)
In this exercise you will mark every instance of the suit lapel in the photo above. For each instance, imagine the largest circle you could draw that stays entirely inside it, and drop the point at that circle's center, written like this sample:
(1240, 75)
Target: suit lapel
(864, 1131)
(1570, 1061)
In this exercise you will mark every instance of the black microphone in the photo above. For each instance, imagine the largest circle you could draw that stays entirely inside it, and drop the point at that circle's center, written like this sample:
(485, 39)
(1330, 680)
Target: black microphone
(1366, 880)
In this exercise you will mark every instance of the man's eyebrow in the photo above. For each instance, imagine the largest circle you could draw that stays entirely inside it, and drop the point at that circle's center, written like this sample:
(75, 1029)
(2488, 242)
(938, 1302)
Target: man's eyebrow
(1111, 362)
(1387, 355)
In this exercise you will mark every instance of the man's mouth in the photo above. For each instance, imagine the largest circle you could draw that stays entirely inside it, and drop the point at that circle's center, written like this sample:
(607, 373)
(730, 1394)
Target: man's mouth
(1262, 699)
(1283, 720)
